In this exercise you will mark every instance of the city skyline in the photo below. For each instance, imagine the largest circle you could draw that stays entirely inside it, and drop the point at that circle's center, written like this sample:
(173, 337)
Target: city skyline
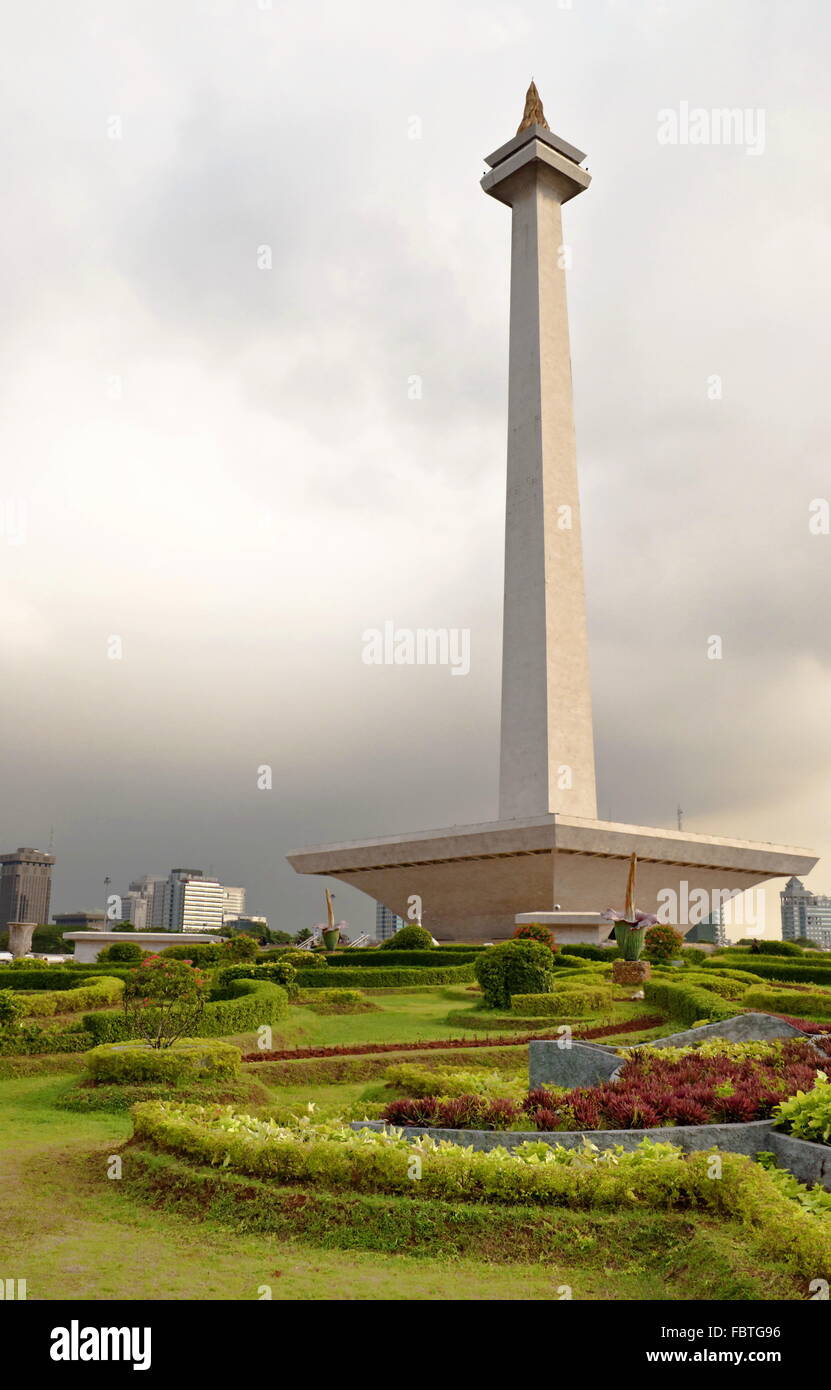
(274, 460)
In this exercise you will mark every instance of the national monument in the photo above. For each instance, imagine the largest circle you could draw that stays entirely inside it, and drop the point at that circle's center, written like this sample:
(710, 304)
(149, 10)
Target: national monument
(547, 844)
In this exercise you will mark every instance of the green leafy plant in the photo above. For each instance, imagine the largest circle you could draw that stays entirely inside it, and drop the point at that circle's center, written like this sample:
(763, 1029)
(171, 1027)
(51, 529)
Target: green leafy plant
(203, 1059)
(563, 1003)
(535, 931)
(126, 952)
(409, 938)
(163, 1000)
(514, 967)
(807, 1115)
(12, 1009)
(662, 943)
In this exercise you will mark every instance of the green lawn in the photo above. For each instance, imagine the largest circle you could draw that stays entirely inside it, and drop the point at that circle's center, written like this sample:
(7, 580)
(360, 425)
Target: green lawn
(169, 1230)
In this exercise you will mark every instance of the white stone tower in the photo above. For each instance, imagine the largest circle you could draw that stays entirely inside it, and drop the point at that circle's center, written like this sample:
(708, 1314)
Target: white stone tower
(547, 749)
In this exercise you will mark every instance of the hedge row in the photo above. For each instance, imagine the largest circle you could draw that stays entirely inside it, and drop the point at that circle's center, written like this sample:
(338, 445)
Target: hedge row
(92, 994)
(688, 1003)
(35, 1043)
(56, 977)
(771, 969)
(391, 960)
(247, 1005)
(386, 979)
(564, 1003)
(187, 1058)
(782, 1001)
(653, 1177)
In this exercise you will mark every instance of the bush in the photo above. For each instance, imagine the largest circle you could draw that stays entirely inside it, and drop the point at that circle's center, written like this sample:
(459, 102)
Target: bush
(244, 1007)
(803, 1003)
(31, 1041)
(278, 972)
(127, 951)
(302, 960)
(202, 956)
(420, 1081)
(388, 979)
(564, 960)
(535, 931)
(807, 1115)
(589, 952)
(339, 1001)
(515, 967)
(22, 963)
(721, 985)
(190, 1058)
(564, 1003)
(239, 948)
(779, 948)
(687, 1003)
(12, 1008)
(693, 954)
(806, 973)
(662, 943)
(409, 938)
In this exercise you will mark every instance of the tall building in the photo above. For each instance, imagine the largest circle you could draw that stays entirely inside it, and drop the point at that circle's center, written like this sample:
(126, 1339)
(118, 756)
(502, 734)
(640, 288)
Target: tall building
(233, 903)
(194, 903)
(805, 913)
(134, 908)
(386, 922)
(25, 886)
(152, 888)
(82, 921)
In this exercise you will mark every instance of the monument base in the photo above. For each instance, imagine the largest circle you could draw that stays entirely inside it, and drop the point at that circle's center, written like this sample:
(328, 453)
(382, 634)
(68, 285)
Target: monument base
(575, 928)
(473, 880)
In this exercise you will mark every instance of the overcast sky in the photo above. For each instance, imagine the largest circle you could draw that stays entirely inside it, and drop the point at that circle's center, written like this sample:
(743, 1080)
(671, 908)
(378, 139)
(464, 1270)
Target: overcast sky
(220, 464)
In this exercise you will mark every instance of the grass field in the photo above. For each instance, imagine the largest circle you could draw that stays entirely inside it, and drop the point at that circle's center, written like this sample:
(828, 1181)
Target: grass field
(171, 1230)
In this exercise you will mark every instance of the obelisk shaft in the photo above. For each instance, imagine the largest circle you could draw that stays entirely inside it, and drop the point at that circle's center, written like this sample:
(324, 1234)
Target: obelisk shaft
(547, 750)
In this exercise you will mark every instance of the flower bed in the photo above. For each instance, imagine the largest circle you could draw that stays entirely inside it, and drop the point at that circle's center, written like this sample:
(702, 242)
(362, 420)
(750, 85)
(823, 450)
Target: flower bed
(651, 1090)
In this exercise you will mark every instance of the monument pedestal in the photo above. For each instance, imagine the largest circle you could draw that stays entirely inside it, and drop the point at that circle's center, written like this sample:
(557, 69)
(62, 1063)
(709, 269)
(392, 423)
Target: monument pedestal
(570, 928)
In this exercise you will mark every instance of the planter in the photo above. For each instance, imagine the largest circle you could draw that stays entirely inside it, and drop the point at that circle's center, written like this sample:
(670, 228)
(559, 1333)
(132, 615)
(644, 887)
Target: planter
(629, 939)
(331, 937)
(631, 972)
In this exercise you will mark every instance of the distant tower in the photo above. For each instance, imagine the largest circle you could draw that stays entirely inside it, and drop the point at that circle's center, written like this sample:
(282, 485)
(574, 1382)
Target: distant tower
(547, 753)
(386, 923)
(25, 886)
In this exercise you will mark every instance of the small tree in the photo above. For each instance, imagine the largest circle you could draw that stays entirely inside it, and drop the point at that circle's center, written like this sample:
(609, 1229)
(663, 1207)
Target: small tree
(239, 948)
(662, 943)
(164, 999)
(514, 967)
(535, 931)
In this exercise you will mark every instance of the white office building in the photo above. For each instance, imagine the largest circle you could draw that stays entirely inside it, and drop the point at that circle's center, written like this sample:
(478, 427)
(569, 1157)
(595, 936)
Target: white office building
(233, 903)
(805, 913)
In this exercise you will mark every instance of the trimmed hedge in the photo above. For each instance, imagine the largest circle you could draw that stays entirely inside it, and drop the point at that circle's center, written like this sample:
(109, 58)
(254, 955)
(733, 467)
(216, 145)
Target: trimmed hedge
(55, 977)
(91, 995)
(245, 1006)
(787, 1001)
(688, 1003)
(564, 1003)
(189, 1058)
(807, 974)
(386, 979)
(40, 1041)
(589, 952)
(392, 960)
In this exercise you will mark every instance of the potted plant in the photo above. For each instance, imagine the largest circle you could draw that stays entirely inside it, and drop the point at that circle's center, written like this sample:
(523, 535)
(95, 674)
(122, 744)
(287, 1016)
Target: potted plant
(331, 932)
(630, 929)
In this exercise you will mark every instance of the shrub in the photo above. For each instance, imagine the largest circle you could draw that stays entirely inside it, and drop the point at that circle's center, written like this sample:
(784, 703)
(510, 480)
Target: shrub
(769, 1000)
(163, 1000)
(339, 1001)
(806, 973)
(302, 960)
(30, 1041)
(778, 948)
(278, 972)
(693, 954)
(724, 987)
(206, 1060)
(662, 943)
(807, 1115)
(459, 1112)
(535, 931)
(11, 1008)
(687, 1003)
(589, 952)
(239, 948)
(201, 955)
(420, 1081)
(126, 951)
(245, 1006)
(564, 960)
(564, 1003)
(375, 959)
(515, 967)
(388, 979)
(91, 994)
(409, 938)
(23, 963)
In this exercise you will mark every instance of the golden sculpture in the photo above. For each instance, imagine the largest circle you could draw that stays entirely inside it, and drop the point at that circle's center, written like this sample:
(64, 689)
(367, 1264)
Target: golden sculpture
(533, 113)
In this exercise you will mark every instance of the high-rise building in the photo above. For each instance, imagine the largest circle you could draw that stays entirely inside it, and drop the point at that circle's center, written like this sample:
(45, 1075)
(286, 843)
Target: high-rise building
(82, 921)
(134, 908)
(194, 902)
(233, 903)
(25, 886)
(152, 887)
(386, 922)
(805, 913)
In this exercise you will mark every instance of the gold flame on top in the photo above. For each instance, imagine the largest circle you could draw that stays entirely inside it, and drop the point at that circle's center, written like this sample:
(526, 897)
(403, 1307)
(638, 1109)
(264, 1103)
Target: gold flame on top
(533, 113)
